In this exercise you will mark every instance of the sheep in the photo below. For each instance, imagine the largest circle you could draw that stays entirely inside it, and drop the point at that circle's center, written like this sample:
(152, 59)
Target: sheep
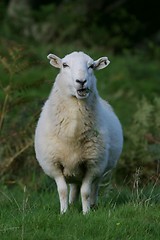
(78, 137)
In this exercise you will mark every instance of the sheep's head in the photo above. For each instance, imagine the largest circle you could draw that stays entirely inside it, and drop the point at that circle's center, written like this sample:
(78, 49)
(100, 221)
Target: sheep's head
(77, 70)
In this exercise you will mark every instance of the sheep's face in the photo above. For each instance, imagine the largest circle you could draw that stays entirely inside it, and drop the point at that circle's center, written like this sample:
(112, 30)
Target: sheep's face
(77, 70)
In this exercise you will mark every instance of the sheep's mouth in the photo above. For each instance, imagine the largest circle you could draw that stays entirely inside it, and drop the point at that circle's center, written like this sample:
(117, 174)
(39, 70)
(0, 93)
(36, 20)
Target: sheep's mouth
(83, 92)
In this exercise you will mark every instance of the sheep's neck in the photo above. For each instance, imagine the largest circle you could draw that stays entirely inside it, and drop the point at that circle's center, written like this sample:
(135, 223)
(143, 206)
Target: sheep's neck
(74, 118)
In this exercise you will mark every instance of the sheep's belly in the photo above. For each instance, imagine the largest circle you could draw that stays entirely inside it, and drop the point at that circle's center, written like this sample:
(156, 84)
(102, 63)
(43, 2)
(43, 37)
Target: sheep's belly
(73, 165)
(74, 162)
(75, 176)
(72, 158)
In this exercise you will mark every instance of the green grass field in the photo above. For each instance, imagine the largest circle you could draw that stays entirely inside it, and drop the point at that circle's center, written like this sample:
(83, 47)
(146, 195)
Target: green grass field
(123, 215)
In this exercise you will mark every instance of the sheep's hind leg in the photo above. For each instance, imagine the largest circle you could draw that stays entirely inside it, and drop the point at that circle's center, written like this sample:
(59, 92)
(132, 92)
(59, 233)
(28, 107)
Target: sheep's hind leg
(63, 193)
(94, 194)
(73, 194)
(86, 192)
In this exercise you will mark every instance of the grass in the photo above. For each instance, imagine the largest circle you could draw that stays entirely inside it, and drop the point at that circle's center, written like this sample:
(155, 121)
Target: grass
(28, 214)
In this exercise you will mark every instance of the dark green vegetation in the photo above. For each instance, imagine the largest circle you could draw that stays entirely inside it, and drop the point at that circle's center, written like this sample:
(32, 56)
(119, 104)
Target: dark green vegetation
(131, 83)
(115, 24)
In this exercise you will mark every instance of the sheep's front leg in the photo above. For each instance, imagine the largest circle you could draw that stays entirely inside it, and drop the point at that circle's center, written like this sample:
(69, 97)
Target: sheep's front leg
(63, 193)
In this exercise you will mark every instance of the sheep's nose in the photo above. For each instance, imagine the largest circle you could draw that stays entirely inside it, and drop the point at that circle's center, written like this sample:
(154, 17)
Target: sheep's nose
(82, 82)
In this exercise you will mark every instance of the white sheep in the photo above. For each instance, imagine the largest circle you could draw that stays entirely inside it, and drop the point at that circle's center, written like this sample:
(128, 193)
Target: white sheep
(78, 137)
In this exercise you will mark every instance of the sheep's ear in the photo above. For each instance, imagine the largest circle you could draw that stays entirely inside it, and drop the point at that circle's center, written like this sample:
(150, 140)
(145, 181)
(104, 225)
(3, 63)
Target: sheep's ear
(101, 63)
(54, 60)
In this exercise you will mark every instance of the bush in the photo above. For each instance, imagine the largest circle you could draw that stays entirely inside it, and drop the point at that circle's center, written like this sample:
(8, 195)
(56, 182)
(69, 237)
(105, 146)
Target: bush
(142, 142)
(18, 104)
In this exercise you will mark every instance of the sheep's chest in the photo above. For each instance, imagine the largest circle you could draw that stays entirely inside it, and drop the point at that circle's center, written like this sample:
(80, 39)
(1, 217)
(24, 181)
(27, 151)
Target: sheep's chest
(77, 142)
(74, 157)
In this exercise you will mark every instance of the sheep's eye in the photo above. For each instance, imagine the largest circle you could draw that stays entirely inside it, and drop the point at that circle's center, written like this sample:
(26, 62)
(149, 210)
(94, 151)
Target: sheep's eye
(91, 66)
(65, 65)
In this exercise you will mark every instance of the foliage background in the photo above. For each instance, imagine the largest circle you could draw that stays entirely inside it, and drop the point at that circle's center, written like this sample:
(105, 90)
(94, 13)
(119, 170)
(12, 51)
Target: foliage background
(127, 31)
